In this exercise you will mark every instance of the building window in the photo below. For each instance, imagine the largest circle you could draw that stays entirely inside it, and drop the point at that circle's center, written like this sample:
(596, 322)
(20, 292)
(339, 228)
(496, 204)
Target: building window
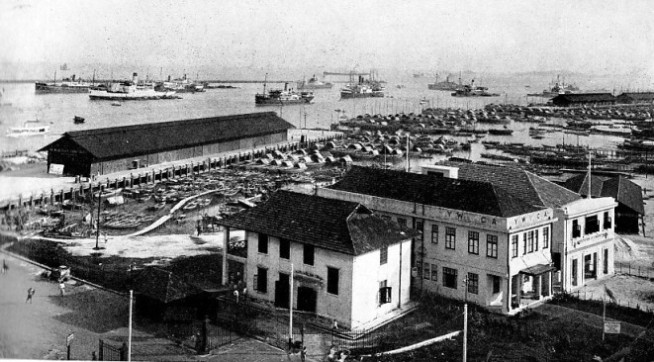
(592, 224)
(384, 293)
(383, 255)
(401, 221)
(434, 234)
(606, 261)
(496, 284)
(530, 240)
(574, 272)
(576, 229)
(514, 245)
(308, 254)
(420, 227)
(449, 277)
(473, 242)
(426, 273)
(546, 237)
(263, 243)
(332, 280)
(491, 246)
(524, 241)
(284, 249)
(607, 221)
(434, 273)
(473, 283)
(536, 236)
(419, 268)
(450, 238)
(261, 280)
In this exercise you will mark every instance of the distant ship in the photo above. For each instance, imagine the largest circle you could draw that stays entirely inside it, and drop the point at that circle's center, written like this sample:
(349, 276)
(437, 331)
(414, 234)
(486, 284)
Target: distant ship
(66, 85)
(129, 90)
(447, 85)
(27, 130)
(314, 83)
(469, 90)
(180, 85)
(558, 88)
(282, 97)
(363, 89)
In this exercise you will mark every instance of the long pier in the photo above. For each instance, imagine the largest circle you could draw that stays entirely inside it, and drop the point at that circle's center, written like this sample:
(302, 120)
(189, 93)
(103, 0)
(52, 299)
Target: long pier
(154, 174)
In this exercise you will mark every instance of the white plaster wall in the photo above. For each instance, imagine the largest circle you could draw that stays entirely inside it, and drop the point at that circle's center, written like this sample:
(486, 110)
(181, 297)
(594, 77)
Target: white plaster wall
(367, 274)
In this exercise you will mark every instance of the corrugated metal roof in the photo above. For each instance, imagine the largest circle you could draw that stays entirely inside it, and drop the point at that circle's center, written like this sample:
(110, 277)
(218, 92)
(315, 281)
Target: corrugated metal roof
(119, 142)
(341, 226)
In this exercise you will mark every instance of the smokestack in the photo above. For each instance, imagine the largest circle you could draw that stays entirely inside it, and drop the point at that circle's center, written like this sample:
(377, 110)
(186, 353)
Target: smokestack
(135, 78)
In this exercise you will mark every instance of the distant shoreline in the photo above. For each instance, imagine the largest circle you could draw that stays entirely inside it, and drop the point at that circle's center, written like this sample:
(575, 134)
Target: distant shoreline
(119, 80)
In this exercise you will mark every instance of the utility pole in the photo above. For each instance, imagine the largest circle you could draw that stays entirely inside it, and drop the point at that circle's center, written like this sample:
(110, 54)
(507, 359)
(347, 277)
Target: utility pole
(129, 331)
(603, 317)
(97, 231)
(465, 321)
(589, 173)
(408, 165)
(290, 310)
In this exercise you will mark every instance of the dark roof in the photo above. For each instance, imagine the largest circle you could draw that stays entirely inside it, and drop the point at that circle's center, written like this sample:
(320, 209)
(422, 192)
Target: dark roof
(342, 226)
(621, 189)
(465, 195)
(119, 142)
(532, 189)
(584, 98)
(638, 95)
(163, 285)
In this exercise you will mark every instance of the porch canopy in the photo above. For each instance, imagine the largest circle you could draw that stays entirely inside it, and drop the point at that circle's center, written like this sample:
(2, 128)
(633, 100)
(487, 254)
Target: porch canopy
(537, 269)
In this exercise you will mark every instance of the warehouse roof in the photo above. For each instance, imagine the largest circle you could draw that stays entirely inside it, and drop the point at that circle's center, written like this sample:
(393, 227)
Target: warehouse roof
(584, 98)
(622, 190)
(126, 141)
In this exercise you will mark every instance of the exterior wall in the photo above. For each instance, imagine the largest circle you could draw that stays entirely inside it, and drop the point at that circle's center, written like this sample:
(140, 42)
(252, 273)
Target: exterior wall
(244, 144)
(368, 273)
(331, 306)
(593, 245)
(435, 254)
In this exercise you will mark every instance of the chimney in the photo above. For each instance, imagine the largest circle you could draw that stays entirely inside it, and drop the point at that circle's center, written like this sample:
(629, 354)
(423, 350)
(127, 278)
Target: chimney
(135, 78)
(169, 77)
(441, 171)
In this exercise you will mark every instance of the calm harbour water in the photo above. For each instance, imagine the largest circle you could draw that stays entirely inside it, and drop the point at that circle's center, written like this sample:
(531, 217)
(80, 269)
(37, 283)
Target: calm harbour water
(58, 110)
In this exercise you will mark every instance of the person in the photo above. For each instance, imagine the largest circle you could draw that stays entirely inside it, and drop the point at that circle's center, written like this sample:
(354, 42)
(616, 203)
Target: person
(30, 294)
(94, 357)
(62, 286)
(5, 267)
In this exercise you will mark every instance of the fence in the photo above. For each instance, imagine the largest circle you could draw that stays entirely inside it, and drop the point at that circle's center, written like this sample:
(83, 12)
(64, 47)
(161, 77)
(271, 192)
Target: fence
(626, 310)
(108, 352)
(635, 270)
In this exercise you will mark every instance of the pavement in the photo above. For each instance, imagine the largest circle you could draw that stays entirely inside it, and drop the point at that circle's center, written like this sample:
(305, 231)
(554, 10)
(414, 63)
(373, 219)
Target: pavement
(38, 330)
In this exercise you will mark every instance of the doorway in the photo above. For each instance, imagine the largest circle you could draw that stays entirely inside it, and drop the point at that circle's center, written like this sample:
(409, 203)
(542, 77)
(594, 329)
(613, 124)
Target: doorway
(306, 299)
(282, 289)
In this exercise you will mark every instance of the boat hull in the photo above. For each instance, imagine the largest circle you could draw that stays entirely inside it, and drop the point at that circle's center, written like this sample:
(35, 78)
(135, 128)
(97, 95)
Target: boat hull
(104, 95)
(361, 95)
(43, 88)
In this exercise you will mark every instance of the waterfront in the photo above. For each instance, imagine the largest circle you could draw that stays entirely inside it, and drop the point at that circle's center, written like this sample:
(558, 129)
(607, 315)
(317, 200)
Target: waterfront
(58, 110)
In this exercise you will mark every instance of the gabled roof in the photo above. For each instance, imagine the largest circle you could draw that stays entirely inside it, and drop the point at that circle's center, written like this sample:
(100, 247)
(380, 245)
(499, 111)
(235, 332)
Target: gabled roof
(119, 142)
(585, 97)
(638, 95)
(621, 189)
(341, 226)
(472, 196)
(532, 189)
(163, 285)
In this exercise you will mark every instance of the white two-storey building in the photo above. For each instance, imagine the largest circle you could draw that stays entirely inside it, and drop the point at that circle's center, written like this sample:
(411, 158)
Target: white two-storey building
(349, 265)
(477, 241)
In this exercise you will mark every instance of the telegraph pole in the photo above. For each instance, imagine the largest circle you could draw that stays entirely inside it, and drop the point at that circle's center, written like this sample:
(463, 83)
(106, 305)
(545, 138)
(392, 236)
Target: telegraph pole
(465, 321)
(129, 333)
(290, 310)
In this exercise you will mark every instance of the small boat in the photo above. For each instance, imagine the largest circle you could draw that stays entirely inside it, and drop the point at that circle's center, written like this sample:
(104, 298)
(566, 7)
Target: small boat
(116, 104)
(500, 131)
(27, 130)
(191, 205)
(78, 119)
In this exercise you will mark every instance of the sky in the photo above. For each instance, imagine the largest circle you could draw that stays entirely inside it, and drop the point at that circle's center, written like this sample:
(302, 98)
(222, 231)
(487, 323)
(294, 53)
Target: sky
(600, 36)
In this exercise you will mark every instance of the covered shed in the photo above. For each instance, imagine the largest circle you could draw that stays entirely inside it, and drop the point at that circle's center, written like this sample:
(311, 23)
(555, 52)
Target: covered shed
(583, 99)
(107, 150)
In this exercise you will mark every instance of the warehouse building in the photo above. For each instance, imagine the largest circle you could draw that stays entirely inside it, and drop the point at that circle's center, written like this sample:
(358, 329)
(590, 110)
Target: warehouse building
(636, 98)
(583, 99)
(107, 150)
